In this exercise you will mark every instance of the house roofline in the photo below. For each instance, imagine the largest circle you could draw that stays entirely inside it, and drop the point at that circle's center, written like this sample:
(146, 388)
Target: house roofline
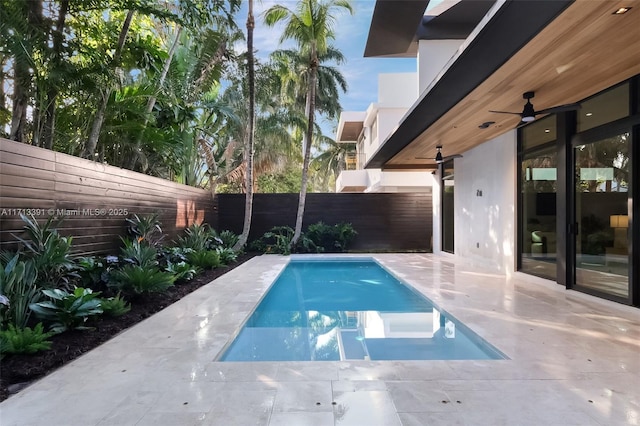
(508, 27)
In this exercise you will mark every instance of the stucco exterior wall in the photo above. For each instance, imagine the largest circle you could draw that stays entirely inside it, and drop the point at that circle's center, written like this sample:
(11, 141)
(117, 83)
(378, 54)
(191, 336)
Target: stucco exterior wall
(485, 204)
(397, 90)
(433, 55)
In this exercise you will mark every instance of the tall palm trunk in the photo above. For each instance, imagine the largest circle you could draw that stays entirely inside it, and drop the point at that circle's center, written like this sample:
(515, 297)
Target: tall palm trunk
(308, 138)
(23, 75)
(248, 151)
(133, 159)
(52, 93)
(92, 142)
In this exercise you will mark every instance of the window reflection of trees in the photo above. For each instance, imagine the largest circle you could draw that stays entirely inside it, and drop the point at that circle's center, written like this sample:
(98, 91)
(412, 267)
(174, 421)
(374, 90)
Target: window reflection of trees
(611, 153)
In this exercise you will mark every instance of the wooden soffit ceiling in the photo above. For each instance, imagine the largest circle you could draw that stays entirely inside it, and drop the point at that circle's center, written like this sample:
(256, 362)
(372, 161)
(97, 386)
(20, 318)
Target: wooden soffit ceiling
(586, 49)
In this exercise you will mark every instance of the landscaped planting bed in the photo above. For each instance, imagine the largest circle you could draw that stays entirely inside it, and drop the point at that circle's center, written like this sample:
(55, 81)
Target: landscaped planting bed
(17, 371)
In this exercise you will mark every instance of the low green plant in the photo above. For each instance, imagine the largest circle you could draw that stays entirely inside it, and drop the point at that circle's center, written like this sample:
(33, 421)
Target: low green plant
(91, 270)
(226, 255)
(172, 254)
(19, 289)
(205, 259)
(64, 310)
(139, 254)
(15, 340)
(276, 240)
(50, 252)
(330, 239)
(197, 237)
(138, 280)
(182, 271)
(228, 239)
(306, 245)
(345, 235)
(146, 229)
(115, 306)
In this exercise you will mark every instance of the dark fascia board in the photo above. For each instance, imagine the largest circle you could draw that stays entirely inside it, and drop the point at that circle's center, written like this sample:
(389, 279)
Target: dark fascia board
(457, 22)
(508, 30)
(393, 27)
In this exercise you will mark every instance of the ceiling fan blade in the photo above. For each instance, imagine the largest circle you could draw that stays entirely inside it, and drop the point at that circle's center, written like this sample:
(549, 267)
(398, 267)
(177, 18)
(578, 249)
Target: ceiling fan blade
(506, 112)
(449, 157)
(559, 108)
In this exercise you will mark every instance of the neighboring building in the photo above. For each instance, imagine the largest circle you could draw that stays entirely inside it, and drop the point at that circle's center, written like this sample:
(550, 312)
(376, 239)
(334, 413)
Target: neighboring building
(367, 129)
(552, 195)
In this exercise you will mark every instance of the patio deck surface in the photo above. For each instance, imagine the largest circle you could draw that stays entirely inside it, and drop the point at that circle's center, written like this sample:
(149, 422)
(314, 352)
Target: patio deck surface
(575, 360)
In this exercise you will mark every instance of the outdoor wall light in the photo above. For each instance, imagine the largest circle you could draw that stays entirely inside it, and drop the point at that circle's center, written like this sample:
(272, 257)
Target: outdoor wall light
(439, 154)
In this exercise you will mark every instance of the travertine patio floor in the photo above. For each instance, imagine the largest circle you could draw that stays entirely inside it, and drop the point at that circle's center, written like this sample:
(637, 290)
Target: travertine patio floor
(574, 360)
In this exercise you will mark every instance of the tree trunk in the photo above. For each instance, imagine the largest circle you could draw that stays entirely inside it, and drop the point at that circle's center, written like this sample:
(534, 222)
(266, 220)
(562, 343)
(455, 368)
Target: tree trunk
(22, 80)
(308, 139)
(92, 142)
(133, 159)
(22, 77)
(248, 153)
(52, 94)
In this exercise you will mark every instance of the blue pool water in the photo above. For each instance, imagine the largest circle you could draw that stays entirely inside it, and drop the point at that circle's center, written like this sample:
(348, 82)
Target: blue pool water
(350, 310)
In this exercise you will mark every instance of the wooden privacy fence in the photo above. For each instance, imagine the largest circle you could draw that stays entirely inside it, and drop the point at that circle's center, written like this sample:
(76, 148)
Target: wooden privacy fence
(93, 199)
(398, 221)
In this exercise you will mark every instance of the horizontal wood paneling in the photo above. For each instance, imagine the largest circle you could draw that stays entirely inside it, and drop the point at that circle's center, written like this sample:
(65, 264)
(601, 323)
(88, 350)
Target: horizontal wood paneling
(399, 221)
(91, 197)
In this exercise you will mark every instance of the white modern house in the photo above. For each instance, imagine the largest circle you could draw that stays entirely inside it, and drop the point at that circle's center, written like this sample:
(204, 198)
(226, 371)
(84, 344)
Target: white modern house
(528, 112)
(367, 129)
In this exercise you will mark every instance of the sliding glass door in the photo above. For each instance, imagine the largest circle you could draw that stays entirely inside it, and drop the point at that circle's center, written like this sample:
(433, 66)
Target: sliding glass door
(602, 209)
(448, 226)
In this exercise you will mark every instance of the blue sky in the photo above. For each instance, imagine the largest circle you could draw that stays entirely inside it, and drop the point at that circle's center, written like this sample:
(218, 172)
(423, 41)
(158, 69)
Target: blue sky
(351, 36)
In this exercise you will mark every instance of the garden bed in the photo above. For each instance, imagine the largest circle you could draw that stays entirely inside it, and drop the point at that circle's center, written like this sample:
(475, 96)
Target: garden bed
(17, 371)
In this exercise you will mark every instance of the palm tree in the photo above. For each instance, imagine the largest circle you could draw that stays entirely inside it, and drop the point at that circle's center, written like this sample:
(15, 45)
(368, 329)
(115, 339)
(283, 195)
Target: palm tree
(332, 160)
(310, 25)
(92, 141)
(251, 123)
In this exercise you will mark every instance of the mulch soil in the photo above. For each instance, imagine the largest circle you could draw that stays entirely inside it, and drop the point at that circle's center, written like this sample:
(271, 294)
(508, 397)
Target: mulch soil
(16, 371)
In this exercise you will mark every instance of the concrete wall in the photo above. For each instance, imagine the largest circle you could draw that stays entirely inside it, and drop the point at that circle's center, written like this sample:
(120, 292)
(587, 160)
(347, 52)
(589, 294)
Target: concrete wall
(485, 204)
(433, 55)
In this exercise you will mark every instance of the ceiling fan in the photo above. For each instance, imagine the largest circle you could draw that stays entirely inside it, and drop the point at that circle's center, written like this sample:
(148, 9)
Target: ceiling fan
(528, 113)
(439, 158)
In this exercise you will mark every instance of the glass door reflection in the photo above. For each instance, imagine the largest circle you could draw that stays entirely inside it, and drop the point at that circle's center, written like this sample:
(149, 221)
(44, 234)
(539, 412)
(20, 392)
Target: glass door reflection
(602, 241)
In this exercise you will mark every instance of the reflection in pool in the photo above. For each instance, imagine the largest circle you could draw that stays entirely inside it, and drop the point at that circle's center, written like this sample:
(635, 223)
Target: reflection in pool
(350, 310)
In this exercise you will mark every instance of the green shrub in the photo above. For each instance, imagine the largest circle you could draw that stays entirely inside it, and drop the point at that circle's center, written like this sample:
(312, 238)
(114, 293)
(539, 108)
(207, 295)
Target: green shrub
(146, 229)
(139, 254)
(115, 306)
(331, 239)
(226, 255)
(198, 237)
(19, 290)
(91, 271)
(228, 239)
(49, 251)
(172, 254)
(182, 271)
(345, 235)
(140, 280)
(65, 310)
(205, 259)
(277, 240)
(24, 340)
(322, 235)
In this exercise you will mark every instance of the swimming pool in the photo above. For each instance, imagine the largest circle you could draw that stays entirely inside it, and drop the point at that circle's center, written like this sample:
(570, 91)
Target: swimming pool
(354, 309)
